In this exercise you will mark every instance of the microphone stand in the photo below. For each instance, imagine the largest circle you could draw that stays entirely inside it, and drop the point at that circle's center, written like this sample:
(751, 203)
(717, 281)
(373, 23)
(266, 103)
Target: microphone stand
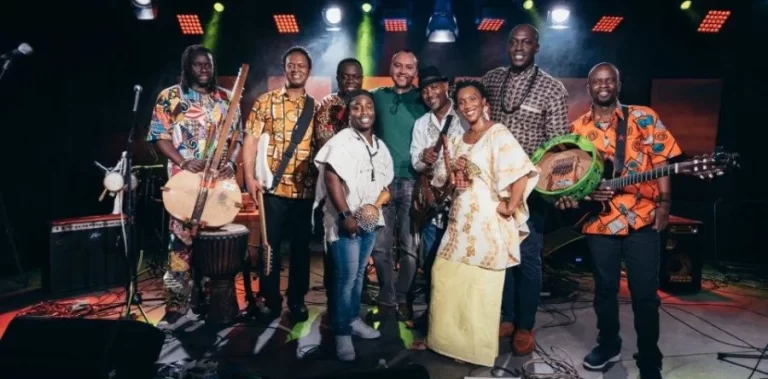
(5, 67)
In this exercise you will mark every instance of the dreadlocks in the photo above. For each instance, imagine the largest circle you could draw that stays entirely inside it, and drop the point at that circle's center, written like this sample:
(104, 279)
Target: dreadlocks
(190, 53)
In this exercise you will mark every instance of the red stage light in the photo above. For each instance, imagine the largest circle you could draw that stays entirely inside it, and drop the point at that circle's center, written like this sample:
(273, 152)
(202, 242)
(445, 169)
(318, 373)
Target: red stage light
(396, 25)
(190, 24)
(490, 24)
(286, 23)
(713, 21)
(607, 24)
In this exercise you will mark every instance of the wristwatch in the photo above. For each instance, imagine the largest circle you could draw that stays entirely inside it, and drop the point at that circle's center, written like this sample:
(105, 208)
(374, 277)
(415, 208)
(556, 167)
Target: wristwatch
(343, 215)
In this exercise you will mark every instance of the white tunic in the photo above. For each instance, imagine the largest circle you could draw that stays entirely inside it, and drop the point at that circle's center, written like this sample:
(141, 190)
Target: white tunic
(366, 169)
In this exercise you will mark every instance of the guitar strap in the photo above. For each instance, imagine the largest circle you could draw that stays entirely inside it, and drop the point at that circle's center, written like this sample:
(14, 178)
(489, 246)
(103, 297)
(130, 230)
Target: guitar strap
(621, 142)
(302, 125)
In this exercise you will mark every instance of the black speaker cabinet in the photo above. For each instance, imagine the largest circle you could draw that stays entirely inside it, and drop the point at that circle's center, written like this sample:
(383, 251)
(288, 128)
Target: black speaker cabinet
(47, 347)
(86, 253)
(681, 260)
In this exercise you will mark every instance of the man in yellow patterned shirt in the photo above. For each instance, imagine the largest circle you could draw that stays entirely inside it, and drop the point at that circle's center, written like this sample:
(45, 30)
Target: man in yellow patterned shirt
(284, 114)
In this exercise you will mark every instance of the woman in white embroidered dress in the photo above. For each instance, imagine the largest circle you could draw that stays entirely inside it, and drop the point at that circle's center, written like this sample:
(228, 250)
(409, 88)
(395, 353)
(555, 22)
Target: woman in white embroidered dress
(355, 169)
(486, 224)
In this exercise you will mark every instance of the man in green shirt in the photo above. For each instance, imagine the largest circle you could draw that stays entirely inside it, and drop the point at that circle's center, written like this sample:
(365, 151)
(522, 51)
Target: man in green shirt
(397, 108)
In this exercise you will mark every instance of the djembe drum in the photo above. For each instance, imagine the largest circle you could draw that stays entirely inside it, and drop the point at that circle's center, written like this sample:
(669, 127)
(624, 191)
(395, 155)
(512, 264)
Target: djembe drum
(569, 166)
(219, 254)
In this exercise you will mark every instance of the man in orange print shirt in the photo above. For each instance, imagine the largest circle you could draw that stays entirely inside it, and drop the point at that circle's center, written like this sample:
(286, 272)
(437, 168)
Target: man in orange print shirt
(631, 225)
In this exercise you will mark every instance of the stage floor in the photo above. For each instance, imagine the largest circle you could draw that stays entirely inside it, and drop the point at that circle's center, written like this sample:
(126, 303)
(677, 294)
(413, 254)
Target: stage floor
(721, 318)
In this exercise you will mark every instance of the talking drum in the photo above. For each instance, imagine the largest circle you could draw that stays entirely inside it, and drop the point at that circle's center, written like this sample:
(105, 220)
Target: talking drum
(219, 254)
(569, 166)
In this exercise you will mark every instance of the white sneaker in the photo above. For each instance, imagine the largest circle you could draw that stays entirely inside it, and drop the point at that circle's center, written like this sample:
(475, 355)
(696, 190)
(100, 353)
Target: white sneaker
(345, 351)
(362, 330)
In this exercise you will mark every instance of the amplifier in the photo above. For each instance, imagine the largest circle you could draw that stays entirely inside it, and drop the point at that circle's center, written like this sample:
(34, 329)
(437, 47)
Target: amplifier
(681, 260)
(86, 253)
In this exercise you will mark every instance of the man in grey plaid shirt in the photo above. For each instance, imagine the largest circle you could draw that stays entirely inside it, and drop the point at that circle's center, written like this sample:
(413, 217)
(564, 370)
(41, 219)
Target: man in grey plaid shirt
(533, 105)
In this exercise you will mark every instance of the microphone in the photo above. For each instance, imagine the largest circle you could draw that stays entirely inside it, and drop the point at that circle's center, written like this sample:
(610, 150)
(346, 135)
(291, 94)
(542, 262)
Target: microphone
(23, 49)
(137, 91)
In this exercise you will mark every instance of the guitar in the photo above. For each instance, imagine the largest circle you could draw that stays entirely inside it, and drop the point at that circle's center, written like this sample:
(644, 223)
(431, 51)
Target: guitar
(703, 166)
(427, 199)
(264, 174)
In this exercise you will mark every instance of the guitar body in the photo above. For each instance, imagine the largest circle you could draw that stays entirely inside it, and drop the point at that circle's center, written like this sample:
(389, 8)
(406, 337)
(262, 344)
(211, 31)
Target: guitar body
(222, 203)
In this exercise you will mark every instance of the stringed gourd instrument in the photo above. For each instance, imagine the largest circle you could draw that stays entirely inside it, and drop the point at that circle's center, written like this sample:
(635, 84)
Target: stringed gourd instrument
(202, 199)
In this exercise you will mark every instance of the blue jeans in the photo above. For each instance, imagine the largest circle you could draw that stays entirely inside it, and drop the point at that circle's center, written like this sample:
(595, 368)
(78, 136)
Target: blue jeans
(522, 283)
(431, 236)
(350, 256)
(397, 219)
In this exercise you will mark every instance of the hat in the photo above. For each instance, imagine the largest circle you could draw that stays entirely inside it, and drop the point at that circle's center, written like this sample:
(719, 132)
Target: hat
(429, 75)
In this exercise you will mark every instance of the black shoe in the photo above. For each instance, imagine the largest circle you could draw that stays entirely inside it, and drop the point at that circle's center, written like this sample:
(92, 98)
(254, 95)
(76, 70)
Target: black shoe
(601, 356)
(298, 312)
(650, 373)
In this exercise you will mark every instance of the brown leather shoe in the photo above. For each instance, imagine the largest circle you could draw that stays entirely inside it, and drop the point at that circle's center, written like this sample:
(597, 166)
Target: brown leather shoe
(506, 329)
(523, 342)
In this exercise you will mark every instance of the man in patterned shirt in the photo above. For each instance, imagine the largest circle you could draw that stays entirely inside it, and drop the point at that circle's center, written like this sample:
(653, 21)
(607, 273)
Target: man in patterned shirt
(533, 105)
(182, 120)
(332, 116)
(632, 224)
(287, 206)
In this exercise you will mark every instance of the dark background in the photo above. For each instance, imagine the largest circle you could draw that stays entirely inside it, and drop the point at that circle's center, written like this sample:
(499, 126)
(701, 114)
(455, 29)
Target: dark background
(70, 102)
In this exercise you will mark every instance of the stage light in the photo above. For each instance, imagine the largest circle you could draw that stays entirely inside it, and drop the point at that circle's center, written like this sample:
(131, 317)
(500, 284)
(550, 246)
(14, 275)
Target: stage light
(442, 26)
(332, 15)
(190, 24)
(396, 25)
(607, 24)
(713, 21)
(286, 23)
(557, 18)
(395, 20)
(528, 4)
(490, 24)
(144, 9)
(218, 7)
(685, 4)
(367, 7)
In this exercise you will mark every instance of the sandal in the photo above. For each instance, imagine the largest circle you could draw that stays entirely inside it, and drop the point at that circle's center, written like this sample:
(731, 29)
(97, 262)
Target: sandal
(419, 345)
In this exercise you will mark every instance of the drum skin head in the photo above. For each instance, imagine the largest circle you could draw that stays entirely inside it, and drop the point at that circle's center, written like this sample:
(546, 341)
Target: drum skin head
(569, 166)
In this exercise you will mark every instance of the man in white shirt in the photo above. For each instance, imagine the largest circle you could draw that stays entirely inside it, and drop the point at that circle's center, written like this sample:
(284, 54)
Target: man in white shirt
(426, 131)
(355, 170)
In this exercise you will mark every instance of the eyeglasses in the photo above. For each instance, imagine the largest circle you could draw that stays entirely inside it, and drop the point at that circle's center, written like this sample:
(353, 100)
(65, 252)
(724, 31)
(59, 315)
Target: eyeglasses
(395, 105)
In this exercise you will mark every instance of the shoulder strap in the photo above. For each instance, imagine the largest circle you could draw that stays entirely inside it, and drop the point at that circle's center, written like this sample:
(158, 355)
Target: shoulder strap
(302, 126)
(621, 142)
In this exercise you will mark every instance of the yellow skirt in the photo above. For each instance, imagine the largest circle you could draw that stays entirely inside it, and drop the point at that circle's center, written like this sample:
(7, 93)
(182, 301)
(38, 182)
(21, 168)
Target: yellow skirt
(465, 311)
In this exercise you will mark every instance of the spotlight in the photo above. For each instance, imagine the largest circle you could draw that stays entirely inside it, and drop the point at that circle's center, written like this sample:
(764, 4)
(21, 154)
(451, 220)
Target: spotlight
(558, 17)
(218, 7)
(442, 26)
(144, 9)
(685, 5)
(332, 15)
(367, 7)
(528, 4)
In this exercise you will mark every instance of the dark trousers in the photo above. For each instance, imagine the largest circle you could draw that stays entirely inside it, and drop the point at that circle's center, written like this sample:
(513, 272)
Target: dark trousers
(431, 236)
(292, 219)
(522, 283)
(641, 251)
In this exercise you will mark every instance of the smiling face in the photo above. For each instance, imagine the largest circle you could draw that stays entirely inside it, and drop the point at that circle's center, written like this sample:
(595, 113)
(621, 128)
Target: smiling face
(296, 70)
(403, 69)
(351, 78)
(522, 47)
(470, 103)
(435, 95)
(361, 113)
(603, 85)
